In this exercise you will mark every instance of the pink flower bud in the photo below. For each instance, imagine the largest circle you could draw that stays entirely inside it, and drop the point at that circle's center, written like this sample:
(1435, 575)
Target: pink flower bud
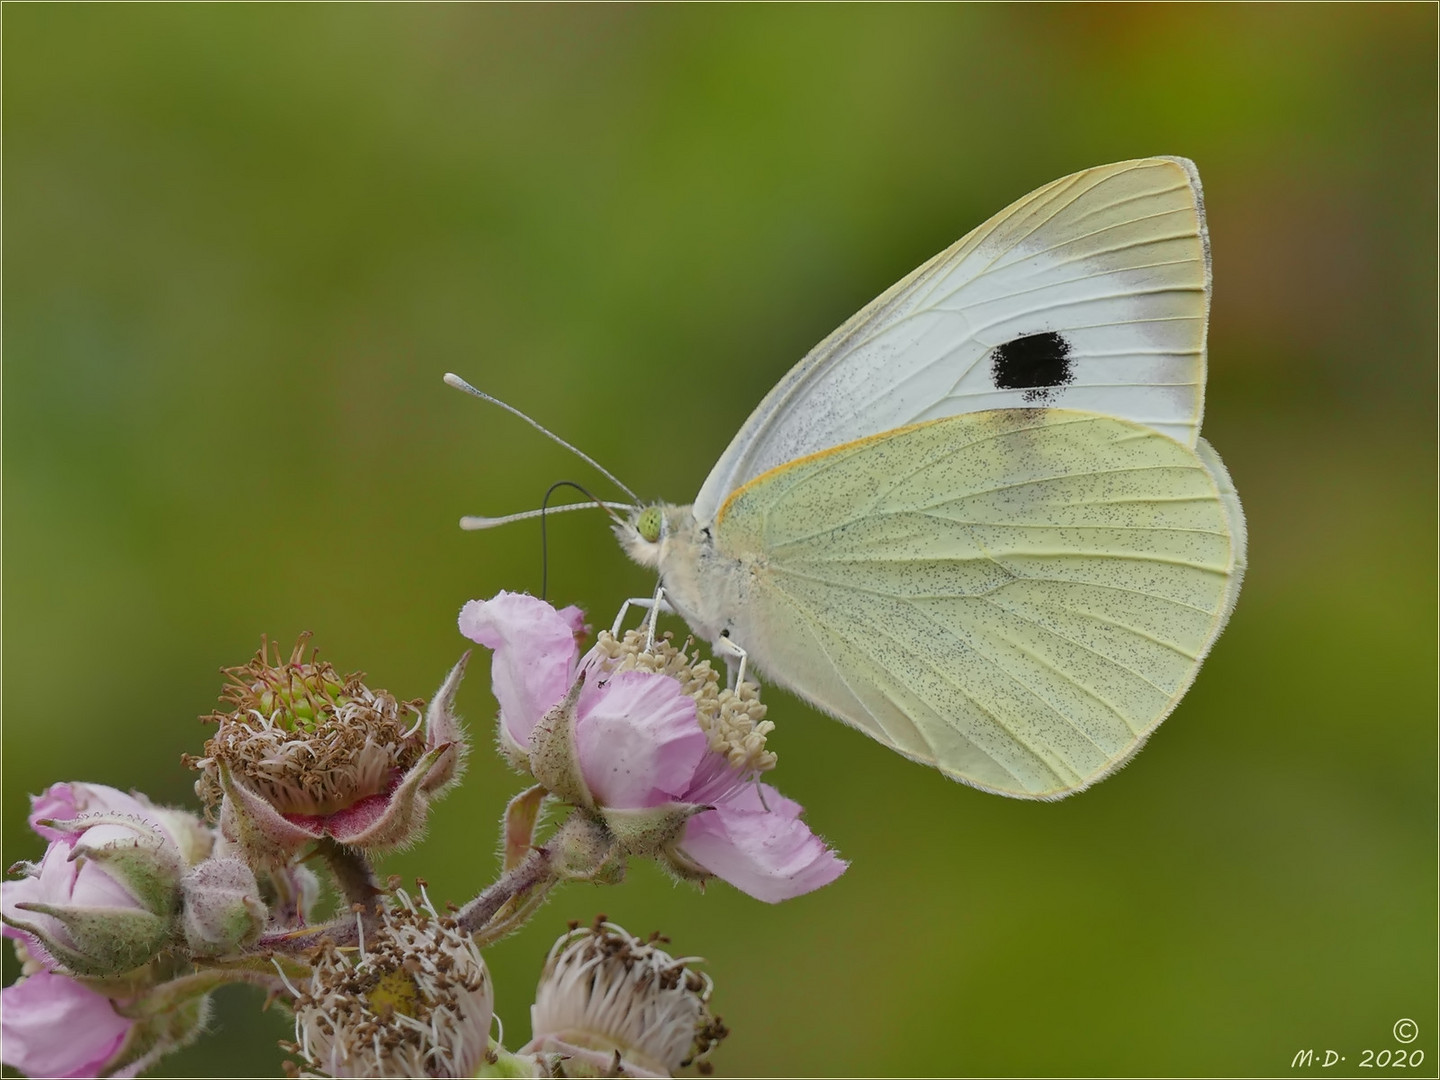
(104, 897)
(222, 907)
(54, 1025)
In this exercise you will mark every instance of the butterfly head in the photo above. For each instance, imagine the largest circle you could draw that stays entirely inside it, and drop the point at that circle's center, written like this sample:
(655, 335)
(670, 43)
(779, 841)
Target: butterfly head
(641, 533)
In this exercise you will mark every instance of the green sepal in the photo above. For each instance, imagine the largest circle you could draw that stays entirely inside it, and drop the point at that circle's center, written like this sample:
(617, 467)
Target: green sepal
(164, 1021)
(103, 941)
(265, 838)
(150, 868)
(521, 816)
(554, 761)
(506, 1064)
(584, 850)
(646, 832)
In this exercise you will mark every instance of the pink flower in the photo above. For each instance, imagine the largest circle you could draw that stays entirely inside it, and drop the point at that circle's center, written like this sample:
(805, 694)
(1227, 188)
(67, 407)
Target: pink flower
(54, 1026)
(646, 741)
(104, 897)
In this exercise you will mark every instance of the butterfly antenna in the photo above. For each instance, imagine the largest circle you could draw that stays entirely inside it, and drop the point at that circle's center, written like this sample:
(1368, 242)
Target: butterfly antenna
(460, 384)
(476, 522)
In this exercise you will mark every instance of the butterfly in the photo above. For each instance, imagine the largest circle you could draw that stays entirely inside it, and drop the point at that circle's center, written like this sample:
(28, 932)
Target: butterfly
(977, 522)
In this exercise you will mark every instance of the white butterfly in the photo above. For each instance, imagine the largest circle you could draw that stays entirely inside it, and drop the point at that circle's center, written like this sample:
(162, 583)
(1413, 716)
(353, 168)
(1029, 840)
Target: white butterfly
(978, 522)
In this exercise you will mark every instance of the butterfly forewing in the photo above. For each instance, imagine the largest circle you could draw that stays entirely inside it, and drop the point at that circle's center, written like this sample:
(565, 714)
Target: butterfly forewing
(1017, 596)
(1090, 293)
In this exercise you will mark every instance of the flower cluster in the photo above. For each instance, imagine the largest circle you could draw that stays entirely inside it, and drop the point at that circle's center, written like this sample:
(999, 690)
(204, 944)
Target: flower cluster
(135, 913)
(642, 739)
(91, 920)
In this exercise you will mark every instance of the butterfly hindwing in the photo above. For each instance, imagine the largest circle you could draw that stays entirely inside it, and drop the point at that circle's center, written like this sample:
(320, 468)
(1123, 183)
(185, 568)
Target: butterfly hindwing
(1017, 597)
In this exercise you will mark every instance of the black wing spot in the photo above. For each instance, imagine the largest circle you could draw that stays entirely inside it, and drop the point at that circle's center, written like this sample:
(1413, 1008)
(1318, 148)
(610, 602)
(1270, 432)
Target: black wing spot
(1039, 364)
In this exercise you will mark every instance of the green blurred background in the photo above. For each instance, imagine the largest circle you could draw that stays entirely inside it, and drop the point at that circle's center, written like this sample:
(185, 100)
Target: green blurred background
(243, 244)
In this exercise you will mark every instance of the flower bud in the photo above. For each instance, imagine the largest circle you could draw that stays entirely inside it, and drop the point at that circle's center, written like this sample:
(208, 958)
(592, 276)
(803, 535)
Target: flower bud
(222, 907)
(610, 1004)
(304, 753)
(65, 801)
(103, 900)
(415, 999)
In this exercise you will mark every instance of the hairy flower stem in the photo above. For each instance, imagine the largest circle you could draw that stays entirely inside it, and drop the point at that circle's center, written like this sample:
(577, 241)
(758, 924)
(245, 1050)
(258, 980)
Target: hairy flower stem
(356, 882)
(340, 932)
(534, 874)
(514, 914)
(168, 995)
(536, 869)
(353, 875)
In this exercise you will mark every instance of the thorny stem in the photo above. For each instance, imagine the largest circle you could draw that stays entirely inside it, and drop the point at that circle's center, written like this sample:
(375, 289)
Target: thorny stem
(289, 902)
(535, 869)
(353, 875)
(341, 932)
(356, 882)
(512, 915)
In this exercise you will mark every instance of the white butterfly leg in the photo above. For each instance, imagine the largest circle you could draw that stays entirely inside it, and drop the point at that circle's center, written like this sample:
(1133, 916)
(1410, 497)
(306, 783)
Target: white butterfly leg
(656, 605)
(733, 652)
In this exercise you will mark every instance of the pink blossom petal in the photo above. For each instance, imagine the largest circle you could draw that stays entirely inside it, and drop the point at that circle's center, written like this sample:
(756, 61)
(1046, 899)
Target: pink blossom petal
(638, 740)
(86, 883)
(54, 1026)
(762, 848)
(66, 801)
(535, 653)
(575, 619)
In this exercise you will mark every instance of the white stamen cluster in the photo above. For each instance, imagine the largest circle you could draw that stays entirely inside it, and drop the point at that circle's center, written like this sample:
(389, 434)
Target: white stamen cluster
(413, 999)
(604, 990)
(306, 739)
(734, 719)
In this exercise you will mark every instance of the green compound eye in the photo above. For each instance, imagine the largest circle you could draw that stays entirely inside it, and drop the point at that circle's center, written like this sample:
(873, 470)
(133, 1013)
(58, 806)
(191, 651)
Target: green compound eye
(648, 524)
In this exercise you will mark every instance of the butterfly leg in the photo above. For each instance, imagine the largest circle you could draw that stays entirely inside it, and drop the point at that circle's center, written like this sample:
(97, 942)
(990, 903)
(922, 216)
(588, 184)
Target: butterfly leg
(735, 658)
(655, 604)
